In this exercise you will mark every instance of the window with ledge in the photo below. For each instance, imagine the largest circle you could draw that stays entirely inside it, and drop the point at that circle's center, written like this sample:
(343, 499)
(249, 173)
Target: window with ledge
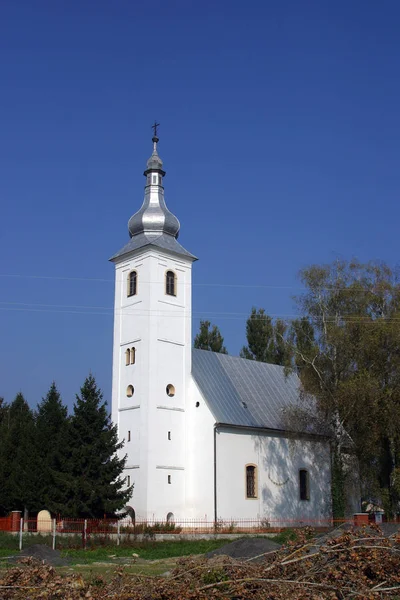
(170, 283)
(304, 484)
(132, 284)
(251, 481)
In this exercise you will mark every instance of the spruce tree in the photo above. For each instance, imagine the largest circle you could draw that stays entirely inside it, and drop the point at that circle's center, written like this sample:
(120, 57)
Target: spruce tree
(52, 448)
(18, 459)
(91, 476)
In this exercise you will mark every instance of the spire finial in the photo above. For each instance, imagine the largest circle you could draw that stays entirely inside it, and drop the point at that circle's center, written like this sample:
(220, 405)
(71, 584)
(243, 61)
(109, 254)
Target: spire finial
(155, 130)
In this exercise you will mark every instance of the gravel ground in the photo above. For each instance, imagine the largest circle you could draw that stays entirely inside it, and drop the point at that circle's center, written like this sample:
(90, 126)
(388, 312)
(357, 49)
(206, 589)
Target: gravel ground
(44, 554)
(246, 548)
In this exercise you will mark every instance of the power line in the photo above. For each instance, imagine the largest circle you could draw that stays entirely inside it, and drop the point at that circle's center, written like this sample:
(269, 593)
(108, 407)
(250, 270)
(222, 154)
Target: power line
(194, 284)
(96, 310)
(96, 279)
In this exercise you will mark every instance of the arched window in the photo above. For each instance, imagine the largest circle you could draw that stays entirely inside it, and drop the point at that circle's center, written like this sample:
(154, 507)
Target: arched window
(304, 484)
(133, 356)
(251, 481)
(127, 357)
(170, 283)
(132, 284)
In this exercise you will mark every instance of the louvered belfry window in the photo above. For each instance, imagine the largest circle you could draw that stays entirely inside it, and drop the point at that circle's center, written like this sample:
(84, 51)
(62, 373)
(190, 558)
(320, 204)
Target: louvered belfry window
(251, 481)
(170, 283)
(132, 283)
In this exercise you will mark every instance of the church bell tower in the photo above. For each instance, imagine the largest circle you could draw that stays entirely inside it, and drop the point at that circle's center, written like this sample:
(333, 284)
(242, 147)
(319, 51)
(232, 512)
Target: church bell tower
(152, 351)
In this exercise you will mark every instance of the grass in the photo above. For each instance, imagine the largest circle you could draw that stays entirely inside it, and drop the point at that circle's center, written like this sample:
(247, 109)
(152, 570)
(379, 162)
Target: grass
(104, 550)
(145, 550)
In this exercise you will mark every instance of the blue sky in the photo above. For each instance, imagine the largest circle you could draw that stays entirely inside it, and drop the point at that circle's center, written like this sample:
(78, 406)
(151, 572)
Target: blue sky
(280, 130)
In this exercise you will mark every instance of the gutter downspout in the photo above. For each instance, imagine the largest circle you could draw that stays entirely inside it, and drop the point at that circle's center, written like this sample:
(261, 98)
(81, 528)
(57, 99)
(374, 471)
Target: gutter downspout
(215, 475)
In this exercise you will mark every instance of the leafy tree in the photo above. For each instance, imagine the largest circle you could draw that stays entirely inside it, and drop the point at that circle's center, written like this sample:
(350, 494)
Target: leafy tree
(265, 339)
(347, 352)
(52, 448)
(209, 338)
(18, 460)
(91, 475)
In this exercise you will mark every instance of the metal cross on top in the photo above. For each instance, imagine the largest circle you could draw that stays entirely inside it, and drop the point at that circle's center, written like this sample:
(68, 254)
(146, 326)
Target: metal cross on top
(155, 128)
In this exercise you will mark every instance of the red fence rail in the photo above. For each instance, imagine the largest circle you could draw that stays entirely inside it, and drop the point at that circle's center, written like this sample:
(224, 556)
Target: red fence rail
(152, 526)
(178, 526)
(6, 523)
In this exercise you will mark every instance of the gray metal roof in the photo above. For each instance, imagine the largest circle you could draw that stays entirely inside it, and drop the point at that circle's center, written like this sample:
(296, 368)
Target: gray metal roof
(163, 241)
(245, 392)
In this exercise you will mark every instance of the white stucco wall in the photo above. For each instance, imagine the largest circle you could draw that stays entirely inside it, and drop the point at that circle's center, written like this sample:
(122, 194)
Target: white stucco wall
(278, 460)
(159, 327)
(199, 456)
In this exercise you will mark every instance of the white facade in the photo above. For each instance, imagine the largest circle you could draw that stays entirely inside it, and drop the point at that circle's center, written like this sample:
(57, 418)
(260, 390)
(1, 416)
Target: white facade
(152, 423)
(179, 460)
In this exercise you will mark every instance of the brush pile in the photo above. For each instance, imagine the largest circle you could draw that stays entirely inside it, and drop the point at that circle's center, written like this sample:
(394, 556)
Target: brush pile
(357, 564)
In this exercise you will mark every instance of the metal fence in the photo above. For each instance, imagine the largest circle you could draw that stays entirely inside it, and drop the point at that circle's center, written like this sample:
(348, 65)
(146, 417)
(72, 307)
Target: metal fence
(154, 526)
(122, 529)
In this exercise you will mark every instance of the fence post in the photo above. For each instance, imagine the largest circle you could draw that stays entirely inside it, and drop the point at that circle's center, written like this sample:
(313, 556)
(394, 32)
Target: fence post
(54, 534)
(118, 532)
(84, 534)
(21, 528)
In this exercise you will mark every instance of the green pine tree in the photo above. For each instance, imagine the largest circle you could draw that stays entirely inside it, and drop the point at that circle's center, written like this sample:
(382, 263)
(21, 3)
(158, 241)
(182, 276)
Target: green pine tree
(266, 340)
(91, 475)
(209, 338)
(52, 448)
(18, 459)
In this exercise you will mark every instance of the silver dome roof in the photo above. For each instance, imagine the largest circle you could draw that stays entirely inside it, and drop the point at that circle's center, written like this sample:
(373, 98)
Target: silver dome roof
(154, 218)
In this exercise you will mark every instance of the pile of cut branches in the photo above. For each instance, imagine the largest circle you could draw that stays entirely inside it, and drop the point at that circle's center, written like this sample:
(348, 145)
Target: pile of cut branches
(361, 564)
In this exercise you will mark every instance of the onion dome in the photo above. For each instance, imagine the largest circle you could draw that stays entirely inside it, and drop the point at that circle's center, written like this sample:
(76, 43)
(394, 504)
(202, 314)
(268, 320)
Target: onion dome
(154, 218)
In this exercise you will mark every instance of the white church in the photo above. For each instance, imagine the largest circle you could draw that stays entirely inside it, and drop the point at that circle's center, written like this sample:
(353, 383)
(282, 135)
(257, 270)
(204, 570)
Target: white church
(203, 432)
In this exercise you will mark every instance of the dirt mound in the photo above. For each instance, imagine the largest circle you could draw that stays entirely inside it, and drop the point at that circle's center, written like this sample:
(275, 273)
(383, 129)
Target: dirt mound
(44, 554)
(246, 548)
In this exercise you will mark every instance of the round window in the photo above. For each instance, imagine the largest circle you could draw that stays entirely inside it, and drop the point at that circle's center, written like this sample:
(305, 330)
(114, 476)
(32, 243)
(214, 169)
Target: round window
(129, 391)
(170, 389)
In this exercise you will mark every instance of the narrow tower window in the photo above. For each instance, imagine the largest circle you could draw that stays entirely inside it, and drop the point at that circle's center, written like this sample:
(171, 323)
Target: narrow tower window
(169, 478)
(170, 283)
(129, 436)
(304, 484)
(169, 435)
(251, 483)
(132, 283)
(133, 356)
(127, 357)
(128, 480)
(170, 389)
(129, 391)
